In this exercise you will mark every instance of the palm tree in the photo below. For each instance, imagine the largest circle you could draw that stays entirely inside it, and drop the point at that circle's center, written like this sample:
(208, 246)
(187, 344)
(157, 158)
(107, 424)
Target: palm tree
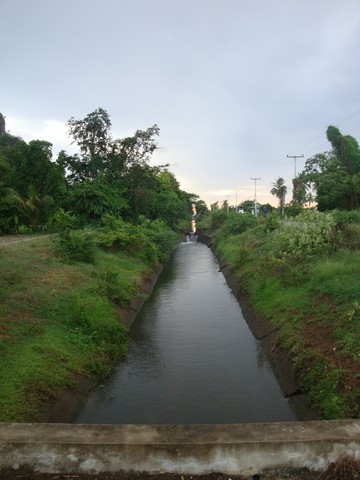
(279, 190)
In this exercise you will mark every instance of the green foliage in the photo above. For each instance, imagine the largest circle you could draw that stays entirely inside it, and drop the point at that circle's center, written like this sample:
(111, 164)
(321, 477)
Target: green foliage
(115, 288)
(152, 241)
(343, 218)
(218, 217)
(76, 246)
(272, 222)
(62, 221)
(239, 222)
(324, 385)
(347, 334)
(160, 235)
(108, 176)
(93, 316)
(310, 233)
(279, 190)
(58, 322)
(331, 277)
(90, 200)
(335, 175)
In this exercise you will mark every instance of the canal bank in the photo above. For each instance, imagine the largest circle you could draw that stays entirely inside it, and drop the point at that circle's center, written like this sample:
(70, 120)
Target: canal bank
(279, 359)
(63, 408)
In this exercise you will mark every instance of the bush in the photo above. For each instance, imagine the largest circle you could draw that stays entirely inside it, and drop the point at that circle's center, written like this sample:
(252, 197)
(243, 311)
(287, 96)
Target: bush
(117, 290)
(62, 220)
(218, 217)
(236, 223)
(76, 246)
(160, 235)
(272, 222)
(343, 218)
(152, 240)
(310, 233)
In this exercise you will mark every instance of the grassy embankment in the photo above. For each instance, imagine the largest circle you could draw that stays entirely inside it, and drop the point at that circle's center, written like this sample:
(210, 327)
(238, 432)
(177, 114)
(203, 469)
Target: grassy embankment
(60, 309)
(303, 276)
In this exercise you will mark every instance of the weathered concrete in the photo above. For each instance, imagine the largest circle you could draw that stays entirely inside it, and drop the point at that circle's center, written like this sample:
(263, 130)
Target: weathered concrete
(190, 449)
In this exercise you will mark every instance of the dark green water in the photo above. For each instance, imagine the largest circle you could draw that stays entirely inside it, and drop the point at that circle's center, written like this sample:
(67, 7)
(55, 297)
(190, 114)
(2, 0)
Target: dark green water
(192, 357)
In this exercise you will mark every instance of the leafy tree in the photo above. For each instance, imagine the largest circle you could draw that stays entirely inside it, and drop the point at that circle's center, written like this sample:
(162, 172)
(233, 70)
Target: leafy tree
(92, 135)
(31, 182)
(8, 199)
(91, 200)
(100, 155)
(335, 175)
(279, 190)
(201, 207)
(248, 205)
(172, 203)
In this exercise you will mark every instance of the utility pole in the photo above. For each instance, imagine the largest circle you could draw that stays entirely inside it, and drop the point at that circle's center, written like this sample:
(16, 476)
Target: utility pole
(294, 181)
(295, 157)
(255, 179)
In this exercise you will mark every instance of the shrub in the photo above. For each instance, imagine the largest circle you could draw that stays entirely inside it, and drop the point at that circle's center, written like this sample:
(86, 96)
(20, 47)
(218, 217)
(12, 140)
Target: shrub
(342, 217)
(62, 220)
(217, 218)
(119, 291)
(158, 234)
(152, 240)
(272, 222)
(311, 233)
(236, 223)
(76, 246)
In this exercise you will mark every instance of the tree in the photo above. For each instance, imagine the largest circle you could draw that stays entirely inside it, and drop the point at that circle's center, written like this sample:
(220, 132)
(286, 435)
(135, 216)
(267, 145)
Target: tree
(248, 206)
(100, 155)
(201, 207)
(335, 175)
(279, 190)
(92, 135)
(31, 182)
(90, 200)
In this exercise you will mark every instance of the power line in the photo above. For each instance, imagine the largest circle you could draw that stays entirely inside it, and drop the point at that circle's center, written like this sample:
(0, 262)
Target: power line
(318, 136)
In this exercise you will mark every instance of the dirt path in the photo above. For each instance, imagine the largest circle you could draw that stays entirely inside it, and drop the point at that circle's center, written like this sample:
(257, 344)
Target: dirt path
(7, 240)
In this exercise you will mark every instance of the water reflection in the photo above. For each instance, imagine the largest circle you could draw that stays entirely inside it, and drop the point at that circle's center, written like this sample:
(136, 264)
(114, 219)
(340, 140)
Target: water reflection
(192, 358)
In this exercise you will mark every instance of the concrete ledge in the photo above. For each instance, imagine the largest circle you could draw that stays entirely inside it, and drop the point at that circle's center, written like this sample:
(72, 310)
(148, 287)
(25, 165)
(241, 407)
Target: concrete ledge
(190, 449)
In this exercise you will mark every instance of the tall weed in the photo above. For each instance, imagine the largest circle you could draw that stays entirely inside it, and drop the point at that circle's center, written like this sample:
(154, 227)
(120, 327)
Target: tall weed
(309, 234)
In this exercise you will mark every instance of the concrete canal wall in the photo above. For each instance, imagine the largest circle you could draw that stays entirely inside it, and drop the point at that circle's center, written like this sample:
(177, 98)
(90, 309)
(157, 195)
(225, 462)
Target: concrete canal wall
(190, 449)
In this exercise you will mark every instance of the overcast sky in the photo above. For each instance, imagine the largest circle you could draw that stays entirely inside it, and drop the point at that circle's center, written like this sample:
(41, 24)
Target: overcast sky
(234, 85)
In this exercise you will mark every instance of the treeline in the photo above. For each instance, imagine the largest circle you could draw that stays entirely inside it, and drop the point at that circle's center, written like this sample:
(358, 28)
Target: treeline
(331, 179)
(107, 177)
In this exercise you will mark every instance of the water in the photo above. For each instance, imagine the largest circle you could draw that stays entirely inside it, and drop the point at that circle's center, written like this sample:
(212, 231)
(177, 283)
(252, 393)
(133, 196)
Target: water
(192, 357)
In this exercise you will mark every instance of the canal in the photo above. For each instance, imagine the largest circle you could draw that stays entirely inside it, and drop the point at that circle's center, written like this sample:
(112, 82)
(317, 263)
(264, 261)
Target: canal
(192, 358)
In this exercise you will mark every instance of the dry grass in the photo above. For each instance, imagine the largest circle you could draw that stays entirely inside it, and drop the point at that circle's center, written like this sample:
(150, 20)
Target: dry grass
(345, 468)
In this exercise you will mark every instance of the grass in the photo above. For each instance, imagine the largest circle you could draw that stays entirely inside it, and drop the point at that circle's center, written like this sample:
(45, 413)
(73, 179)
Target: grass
(58, 321)
(313, 300)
